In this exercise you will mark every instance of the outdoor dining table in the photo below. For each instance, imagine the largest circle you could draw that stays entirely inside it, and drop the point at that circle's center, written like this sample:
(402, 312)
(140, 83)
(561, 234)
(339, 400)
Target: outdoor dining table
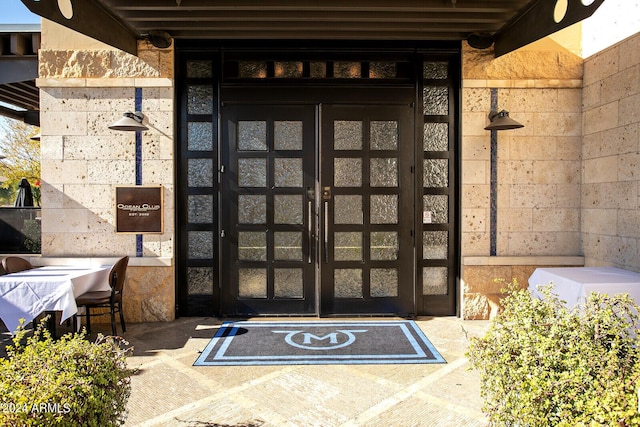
(573, 285)
(26, 294)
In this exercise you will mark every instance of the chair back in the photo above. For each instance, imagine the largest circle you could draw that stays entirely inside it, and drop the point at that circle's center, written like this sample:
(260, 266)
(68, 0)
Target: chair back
(118, 274)
(15, 264)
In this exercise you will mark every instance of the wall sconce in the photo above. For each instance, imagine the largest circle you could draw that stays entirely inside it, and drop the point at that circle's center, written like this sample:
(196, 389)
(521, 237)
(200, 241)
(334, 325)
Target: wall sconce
(35, 137)
(502, 121)
(131, 122)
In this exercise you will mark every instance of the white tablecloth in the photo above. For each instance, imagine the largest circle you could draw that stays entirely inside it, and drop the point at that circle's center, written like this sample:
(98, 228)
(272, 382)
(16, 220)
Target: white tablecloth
(574, 284)
(54, 288)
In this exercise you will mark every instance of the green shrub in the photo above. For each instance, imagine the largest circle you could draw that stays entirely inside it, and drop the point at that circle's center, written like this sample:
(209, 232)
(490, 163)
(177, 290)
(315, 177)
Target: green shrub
(542, 364)
(64, 382)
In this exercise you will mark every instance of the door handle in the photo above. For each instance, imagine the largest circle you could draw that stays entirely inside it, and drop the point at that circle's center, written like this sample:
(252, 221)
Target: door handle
(326, 232)
(310, 228)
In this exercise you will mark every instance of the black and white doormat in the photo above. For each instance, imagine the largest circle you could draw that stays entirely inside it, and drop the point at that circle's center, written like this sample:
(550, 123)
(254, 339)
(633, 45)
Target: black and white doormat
(318, 342)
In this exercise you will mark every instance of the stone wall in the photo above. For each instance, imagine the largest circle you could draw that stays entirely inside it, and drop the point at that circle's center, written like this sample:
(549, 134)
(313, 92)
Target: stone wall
(611, 156)
(538, 169)
(81, 93)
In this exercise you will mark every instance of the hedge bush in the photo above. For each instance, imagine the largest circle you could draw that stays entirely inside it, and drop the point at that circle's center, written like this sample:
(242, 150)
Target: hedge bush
(542, 364)
(65, 382)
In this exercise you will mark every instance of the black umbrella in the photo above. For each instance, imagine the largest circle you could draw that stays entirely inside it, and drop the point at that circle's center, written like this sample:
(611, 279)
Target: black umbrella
(25, 196)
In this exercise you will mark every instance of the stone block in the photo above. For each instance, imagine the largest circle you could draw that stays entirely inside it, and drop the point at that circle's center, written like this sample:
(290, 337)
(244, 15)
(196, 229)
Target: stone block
(51, 195)
(515, 171)
(77, 196)
(52, 147)
(476, 100)
(629, 51)
(621, 85)
(475, 196)
(64, 122)
(629, 110)
(473, 123)
(120, 172)
(601, 66)
(64, 220)
(628, 223)
(157, 171)
(591, 96)
(602, 118)
(514, 219)
(485, 278)
(64, 172)
(97, 148)
(476, 148)
(628, 167)
(150, 294)
(520, 65)
(556, 172)
(567, 196)
(556, 219)
(602, 169)
(474, 243)
(475, 172)
(474, 220)
(475, 307)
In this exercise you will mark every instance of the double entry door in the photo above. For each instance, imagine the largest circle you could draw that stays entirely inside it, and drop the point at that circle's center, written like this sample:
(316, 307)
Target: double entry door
(317, 207)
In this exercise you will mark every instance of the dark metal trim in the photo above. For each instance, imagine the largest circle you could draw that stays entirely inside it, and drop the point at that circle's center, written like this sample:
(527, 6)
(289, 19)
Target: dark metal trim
(18, 69)
(537, 21)
(91, 19)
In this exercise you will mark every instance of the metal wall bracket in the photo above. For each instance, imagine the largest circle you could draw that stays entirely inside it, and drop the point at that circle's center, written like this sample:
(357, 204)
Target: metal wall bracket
(537, 21)
(89, 18)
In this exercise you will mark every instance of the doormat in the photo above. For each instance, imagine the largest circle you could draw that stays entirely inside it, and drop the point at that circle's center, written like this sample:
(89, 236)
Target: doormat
(318, 342)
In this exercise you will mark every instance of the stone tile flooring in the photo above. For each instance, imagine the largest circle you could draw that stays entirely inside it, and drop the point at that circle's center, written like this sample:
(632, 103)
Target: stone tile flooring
(169, 391)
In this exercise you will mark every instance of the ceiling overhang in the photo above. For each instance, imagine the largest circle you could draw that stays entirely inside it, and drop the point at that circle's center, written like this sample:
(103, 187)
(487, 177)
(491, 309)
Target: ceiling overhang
(510, 23)
(19, 96)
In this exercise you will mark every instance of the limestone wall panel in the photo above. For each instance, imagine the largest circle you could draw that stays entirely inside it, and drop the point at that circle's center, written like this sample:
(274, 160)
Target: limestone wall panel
(601, 66)
(64, 220)
(120, 172)
(63, 172)
(628, 223)
(475, 172)
(475, 220)
(629, 112)
(476, 196)
(556, 219)
(94, 196)
(475, 244)
(515, 219)
(97, 148)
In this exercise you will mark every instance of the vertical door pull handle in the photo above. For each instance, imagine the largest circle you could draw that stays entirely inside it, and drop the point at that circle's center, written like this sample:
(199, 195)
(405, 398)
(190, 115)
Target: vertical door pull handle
(310, 229)
(326, 232)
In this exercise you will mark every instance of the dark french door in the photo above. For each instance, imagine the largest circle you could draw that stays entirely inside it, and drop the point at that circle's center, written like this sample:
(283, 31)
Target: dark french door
(366, 185)
(268, 206)
(312, 206)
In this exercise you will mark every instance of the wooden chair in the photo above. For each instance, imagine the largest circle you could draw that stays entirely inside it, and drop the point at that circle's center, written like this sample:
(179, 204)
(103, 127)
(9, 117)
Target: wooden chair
(15, 264)
(106, 299)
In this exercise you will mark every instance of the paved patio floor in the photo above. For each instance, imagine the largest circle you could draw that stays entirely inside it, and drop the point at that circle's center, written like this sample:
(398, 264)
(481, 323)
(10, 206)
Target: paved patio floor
(169, 391)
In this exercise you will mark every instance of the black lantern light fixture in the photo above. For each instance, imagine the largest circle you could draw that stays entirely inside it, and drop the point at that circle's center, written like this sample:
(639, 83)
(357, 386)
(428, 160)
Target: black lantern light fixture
(502, 121)
(130, 122)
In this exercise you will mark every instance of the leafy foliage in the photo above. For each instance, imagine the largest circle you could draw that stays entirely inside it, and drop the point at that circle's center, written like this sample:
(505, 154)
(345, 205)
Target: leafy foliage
(542, 364)
(22, 160)
(64, 382)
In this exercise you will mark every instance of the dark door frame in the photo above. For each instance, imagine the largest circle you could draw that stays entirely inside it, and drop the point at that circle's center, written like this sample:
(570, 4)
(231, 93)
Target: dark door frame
(321, 92)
